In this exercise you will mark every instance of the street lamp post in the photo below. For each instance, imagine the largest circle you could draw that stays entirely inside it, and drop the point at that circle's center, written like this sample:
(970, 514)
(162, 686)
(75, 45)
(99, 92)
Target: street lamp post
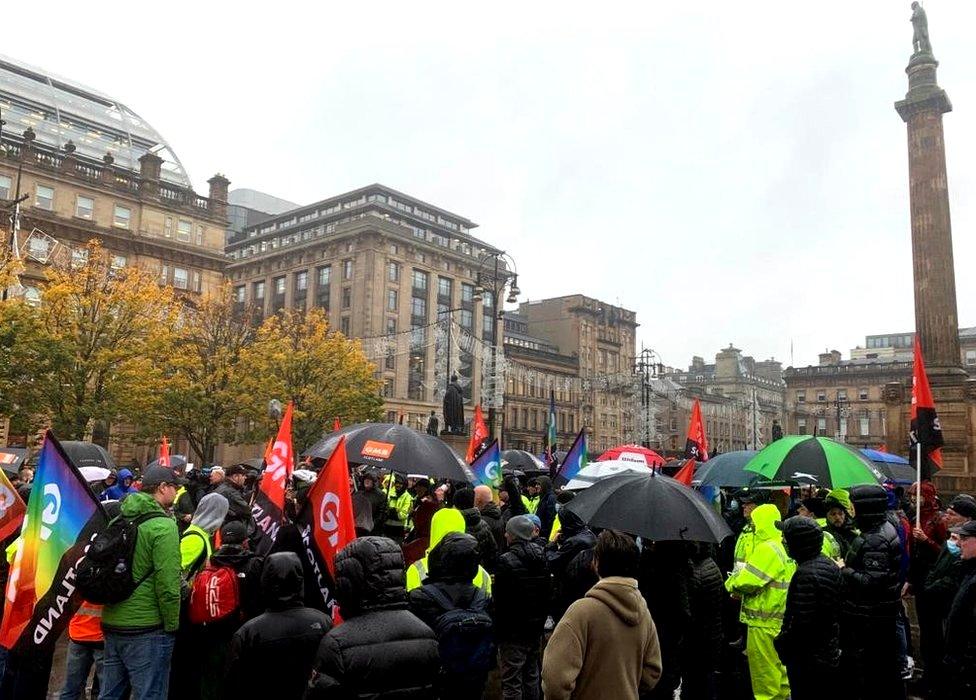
(493, 280)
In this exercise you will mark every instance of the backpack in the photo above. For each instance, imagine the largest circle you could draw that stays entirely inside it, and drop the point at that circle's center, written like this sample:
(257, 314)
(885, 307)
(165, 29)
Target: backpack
(214, 595)
(465, 638)
(104, 576)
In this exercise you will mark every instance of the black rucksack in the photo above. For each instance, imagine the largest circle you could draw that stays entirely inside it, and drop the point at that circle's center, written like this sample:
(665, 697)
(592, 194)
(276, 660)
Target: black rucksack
(104, 576)
(465, 638)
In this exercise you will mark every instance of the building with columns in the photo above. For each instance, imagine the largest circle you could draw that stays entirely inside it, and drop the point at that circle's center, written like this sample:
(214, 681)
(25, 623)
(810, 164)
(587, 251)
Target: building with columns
(396, 272)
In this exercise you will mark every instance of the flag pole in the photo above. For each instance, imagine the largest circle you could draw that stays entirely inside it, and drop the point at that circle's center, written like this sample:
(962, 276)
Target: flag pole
(918, 481)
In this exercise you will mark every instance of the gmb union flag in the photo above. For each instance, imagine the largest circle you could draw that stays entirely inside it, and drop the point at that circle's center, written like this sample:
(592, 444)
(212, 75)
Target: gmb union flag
(487, 467)
(63, 516)
(268, 508)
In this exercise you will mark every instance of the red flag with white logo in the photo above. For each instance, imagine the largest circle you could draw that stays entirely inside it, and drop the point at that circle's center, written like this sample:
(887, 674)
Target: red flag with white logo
(696, 446)
(269, 503)
(925, 436)
(330, 506)
(479, 436)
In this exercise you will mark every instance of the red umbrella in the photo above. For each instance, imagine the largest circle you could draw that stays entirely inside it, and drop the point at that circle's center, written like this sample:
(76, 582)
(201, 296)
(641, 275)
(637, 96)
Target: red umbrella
(633, 453)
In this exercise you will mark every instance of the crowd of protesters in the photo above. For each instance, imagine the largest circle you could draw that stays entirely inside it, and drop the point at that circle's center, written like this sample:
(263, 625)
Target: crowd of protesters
(458, 592)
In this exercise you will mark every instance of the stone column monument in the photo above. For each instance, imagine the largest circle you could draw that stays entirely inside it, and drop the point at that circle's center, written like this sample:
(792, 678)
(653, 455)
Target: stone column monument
(936, 316)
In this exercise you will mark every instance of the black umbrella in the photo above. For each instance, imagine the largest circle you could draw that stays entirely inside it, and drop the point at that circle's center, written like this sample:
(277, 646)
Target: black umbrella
(175, 461)
(650, 505)
(11, 458)
(523, 461)
(397, 448)
(87, 454)
(727, 470)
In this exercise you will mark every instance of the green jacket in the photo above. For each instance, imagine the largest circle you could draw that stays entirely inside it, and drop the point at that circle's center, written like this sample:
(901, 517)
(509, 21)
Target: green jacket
(155, 603)
(765, 579)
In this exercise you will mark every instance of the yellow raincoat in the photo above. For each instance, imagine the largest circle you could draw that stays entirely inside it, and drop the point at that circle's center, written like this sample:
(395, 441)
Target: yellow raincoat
(445, 521)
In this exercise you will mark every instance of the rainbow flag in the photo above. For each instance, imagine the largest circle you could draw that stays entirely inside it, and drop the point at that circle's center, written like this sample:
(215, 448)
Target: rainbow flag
(487, 467)
(576, 459)
(62, 518)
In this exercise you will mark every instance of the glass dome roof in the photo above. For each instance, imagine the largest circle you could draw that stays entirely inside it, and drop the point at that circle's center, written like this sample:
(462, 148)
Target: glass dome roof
(60, 110)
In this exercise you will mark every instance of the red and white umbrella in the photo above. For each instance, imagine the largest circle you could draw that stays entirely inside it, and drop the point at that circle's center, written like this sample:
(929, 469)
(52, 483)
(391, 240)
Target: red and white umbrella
(632, 453)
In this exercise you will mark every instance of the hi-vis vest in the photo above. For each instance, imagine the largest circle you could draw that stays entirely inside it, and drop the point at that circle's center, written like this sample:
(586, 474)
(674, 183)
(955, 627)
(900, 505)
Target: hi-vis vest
(417, 572)
(86, 624)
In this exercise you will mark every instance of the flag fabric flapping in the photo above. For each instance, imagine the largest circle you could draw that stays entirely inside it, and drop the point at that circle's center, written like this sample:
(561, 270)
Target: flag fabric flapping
(12, 508)
(696, 446)
(479, 435)
(551, 430)
(164, 459)
(62, 518)
(268, 508)
(487, 467)
(925, 437)
(687, 473)
(576, 458)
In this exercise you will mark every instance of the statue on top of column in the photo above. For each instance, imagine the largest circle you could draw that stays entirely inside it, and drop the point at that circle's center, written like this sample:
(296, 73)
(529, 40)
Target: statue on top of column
(920, 23)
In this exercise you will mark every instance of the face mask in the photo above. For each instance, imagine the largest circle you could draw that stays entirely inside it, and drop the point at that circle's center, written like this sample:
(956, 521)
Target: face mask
(953, 548)
(734, 504)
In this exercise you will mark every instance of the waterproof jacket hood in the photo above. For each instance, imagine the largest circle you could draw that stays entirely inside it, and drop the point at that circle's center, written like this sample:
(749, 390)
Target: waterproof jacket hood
(545, 485)
(803, 538)
(282, 583)
(369, 575)
(454, 560)
(210, 512)
(444, 521)
(764, 521)
(124, 474)
(621, 595)
(570, 524)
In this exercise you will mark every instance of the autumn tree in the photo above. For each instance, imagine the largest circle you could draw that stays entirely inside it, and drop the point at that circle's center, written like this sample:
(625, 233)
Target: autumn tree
(205, 393)
(103, 336)
(298, 357)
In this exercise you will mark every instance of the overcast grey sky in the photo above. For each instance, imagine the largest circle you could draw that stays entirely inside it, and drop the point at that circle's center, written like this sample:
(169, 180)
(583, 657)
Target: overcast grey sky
(734, 172)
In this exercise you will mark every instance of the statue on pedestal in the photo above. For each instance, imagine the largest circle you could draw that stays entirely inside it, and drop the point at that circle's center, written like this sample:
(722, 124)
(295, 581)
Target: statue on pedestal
(454, 408)
(920, 23)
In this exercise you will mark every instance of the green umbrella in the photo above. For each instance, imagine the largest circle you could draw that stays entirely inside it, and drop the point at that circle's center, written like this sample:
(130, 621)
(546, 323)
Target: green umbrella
(816, 460)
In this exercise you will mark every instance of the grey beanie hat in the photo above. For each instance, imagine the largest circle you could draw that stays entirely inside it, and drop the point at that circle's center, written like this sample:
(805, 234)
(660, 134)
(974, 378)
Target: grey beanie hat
(520, 528)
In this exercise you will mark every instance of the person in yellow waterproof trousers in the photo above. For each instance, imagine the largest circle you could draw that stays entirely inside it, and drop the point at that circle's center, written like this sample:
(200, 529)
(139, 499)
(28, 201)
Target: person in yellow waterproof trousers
(762, 584)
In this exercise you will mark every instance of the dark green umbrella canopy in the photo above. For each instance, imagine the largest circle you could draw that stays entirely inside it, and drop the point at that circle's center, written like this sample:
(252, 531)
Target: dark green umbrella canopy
(816, 460)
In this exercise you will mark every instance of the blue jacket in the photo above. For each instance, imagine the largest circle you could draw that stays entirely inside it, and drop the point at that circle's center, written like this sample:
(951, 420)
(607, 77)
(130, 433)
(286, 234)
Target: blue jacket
(120, 490)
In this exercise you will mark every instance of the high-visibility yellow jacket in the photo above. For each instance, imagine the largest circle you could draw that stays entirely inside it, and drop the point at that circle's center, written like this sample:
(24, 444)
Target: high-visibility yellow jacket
(445, 521)
(530, 502)
(831, 548)
(744, 545)
(763, 581)
(402, 505)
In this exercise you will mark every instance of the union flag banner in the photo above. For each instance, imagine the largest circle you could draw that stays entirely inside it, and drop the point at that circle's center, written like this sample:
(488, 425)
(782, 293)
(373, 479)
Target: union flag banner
(696, 446)
(479, 436)
(925, 436)
(268, 508)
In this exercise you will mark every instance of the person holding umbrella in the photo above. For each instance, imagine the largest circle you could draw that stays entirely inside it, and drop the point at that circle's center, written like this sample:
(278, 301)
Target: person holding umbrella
(762, 584)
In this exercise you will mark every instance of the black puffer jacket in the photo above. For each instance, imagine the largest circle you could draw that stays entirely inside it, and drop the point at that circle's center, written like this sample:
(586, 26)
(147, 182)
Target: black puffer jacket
(960, 638)
(569, 558)
(286, 637)
(810, 635)
(381, 650)
(492, 515)
(706, 597)
(249, 567)
(475, 526)
(871, 586)
(238, 509)
(546, 510)
(522, 591)
(942, 582)
(453, 563)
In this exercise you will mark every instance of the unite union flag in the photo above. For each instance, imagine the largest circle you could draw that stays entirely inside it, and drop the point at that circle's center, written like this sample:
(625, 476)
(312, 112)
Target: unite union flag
(925, 427)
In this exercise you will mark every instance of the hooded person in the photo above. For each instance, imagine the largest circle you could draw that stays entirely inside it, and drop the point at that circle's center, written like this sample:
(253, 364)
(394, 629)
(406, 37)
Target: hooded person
(475, 526)
(272, 655)
(702, 653)
(196, 543)
(761, 584)
(749, 499)
(815, 508)
(606, 644)
(445, 520)
(870, 600)
(809, 640)
(840, 519)
(377, 500)
(511, 497)
(381, 650)
(663, 576)
(122, 488)
(546, 509)
(570, 562)
(453, 565)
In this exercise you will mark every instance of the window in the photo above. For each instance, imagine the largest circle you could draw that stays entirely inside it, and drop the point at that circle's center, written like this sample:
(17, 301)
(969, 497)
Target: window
(164, 274)
(391, 300)
(821, 395)
(346, 297)
(118, 262)
(971, 357)
(394, 249)
(279, 286)
(445, 288)
(842, 394)
(418, 307)
(84, 207)
(467, 319)
(862, 394)
(199, 234)
(420, 280)
(391, 326)
(259, 291)
(325, 276)
(5, 186)
(239, 294)
(44, 197)
(301, 281)
(390, 359)
(180, 278)
(183, 230)
(388, 388)
(801, 426)
(347, 269)
(821, 426)
(196, 281)
(344, 325)
(865, 426)
(122, 216)
(393, 272)
(467, 292)
(168, 227)
(801, 397)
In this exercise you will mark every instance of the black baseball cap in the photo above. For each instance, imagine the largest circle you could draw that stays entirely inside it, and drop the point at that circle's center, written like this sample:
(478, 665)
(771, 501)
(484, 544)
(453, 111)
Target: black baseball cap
(966, 529)
(156, 475)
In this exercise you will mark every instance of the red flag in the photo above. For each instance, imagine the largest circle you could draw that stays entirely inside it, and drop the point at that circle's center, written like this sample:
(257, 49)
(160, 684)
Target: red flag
(336, 425)
(882, 448)
(479, 435)
(686, 473)
(269, 504)
(330, 503)
(164, 460)
(12, 508)
(696, 446)
(925, 427)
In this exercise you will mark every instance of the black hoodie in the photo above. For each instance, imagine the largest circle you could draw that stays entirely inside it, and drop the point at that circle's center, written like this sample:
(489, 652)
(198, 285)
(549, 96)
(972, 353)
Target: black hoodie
(272, 655)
